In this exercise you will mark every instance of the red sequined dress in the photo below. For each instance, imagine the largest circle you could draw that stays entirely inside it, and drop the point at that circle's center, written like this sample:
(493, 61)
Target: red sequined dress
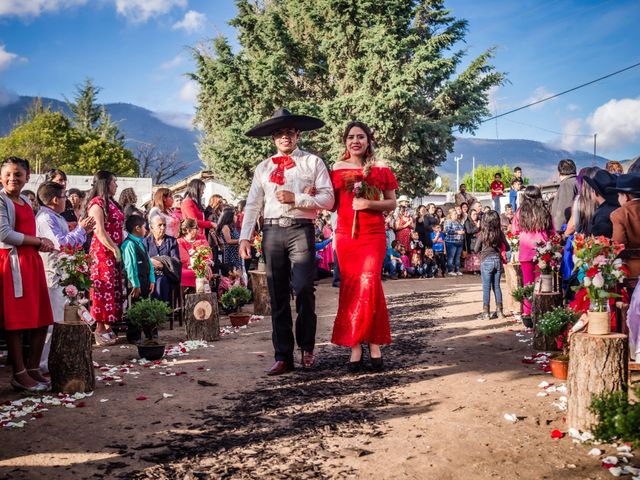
(107, 292)
(362, 310)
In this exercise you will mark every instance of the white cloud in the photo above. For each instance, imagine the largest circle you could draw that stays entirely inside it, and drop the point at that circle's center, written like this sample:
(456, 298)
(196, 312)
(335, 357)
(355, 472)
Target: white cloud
(189, 92)
(175, 119)
(6, 58)
(33, 8)
(7, 97)
(537, 95)
(139, 11)
(173, 63)
(572, 134)
(617, 123)
(192, 22)
(572, 107)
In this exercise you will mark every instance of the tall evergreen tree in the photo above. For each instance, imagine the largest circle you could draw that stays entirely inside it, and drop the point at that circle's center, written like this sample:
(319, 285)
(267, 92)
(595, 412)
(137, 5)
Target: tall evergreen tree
(390, 63)
(85, 111)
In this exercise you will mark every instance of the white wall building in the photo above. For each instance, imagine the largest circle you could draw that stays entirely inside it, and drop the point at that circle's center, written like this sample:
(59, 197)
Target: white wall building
(212, 186)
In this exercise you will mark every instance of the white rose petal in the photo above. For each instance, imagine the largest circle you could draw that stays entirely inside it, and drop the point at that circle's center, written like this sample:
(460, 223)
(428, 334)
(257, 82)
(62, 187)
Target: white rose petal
(511, 417)
(595, 452)
(615, 471)
(598, 280)
(610, 460)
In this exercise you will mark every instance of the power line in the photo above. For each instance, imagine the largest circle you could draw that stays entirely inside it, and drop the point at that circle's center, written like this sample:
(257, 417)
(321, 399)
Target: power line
(561, 93)
(551, 131)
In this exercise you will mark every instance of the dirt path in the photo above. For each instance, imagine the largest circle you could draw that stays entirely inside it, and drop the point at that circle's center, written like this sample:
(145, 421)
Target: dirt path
(436, 412)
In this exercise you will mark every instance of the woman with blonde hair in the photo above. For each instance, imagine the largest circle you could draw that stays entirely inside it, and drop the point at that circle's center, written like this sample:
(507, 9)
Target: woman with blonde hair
(163, 207)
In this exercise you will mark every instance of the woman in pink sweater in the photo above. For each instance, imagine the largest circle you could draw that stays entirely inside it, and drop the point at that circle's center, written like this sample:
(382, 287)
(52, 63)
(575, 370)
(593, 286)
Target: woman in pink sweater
(533, 223)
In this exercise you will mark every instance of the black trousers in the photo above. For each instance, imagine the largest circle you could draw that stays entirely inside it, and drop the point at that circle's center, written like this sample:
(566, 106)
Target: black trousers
(289, 254)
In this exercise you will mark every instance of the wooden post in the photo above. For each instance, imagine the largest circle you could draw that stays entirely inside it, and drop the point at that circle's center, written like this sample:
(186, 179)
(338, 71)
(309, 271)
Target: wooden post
(513, 277)
(70, 360)
(202, 321)
(541, 304)
(261, 298)
(597, 364)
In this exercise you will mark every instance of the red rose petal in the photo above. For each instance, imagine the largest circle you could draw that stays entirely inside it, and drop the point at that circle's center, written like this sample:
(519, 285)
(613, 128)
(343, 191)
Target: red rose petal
(81, 405)
(183, 350)
(608, 465)
(556, 434)
(141, 397)
(200, 368)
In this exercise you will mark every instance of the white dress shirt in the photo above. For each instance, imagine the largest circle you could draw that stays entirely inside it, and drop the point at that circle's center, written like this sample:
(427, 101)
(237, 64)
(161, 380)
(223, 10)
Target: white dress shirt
(309, 171)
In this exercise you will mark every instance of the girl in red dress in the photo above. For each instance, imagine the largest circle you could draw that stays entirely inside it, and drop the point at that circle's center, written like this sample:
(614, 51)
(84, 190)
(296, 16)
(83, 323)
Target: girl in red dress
(191, 206)
(24, 297)
(362, 310)
(106, 270)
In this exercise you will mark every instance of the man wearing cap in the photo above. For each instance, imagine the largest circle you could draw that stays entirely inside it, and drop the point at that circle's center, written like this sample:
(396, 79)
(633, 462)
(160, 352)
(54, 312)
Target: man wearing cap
(626, 219)
(288, 188)
(602, 182)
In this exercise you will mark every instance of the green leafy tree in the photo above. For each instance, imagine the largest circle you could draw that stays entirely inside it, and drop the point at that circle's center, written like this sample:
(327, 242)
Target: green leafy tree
(393, 64)
(85, 111)
(98, 153)
(484, 175)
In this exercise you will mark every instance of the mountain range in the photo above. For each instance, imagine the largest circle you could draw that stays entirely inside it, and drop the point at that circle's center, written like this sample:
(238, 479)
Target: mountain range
(141, 126)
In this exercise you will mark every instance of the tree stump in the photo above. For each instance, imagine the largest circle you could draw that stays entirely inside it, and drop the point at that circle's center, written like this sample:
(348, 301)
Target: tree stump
(202, 321)
(70, 359)
(597, 364)
(261, 298)
(541, 304)
(513, 277)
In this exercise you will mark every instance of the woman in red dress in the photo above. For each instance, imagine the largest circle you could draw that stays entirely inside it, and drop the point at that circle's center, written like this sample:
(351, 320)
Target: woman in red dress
(25, 311)
(187, 242)
(191, 206)
(106, 272)
(362, 310)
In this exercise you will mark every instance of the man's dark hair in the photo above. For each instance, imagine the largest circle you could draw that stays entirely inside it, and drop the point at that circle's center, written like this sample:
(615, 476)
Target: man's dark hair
(517, 169)
(516, 180)
(76, 191)
(566, 166)
(394, 243)
(48, 191)
(498, 174)
(463, 185)
(132, 222)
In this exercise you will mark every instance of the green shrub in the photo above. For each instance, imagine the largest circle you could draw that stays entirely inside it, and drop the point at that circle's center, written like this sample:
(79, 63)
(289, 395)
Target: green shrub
(148, 313)
(556, 321)
(235, 297)
(618, 418)
(519, 294)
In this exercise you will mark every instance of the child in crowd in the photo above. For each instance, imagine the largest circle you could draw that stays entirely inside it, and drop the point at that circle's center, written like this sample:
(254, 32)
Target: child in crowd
(430, 265)
(417, 265)
(407, 269)
(439, 250)
(138, 267)
(490, 245)
(516, 186)
(25, 311)
(392, 262)
(416, 244)
(497, 191)
(51, 225)
(232, 278)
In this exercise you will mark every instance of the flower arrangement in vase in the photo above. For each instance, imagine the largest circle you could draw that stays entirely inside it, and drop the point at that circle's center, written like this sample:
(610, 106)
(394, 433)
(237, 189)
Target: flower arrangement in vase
(599, 271)
(548, 258)
(514, 244)
(257, 245)
(199, 263)
(75, 280)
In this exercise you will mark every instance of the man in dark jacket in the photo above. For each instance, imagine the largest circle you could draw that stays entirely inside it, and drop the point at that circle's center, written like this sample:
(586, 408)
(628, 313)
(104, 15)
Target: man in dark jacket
(567, 191)
(602, 183)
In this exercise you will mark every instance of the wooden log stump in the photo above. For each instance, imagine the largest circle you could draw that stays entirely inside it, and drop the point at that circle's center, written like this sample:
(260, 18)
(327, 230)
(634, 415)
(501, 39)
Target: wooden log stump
(597, 364)
(261, 298)
(513, 278)
(202, 321)
(541, 304)
(70, 359)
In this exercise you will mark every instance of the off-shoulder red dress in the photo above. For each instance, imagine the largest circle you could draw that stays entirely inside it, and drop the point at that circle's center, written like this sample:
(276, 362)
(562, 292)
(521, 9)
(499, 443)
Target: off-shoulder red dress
(362, 310)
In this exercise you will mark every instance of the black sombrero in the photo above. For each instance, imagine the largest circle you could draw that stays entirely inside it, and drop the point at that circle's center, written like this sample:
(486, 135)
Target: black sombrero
(627, 183)
(602, 182)
(283, 118)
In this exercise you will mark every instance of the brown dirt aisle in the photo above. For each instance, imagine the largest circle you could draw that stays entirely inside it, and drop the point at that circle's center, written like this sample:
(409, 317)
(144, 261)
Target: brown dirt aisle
(436, 412)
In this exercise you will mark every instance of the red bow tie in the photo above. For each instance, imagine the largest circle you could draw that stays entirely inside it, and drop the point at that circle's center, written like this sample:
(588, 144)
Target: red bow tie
(283, 162)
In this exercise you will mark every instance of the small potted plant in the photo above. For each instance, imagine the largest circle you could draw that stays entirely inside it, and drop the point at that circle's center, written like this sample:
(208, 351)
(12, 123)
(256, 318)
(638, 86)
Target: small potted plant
(148, 314)
(232, 301)
(521, 294)
(556, 323)
(199, 263)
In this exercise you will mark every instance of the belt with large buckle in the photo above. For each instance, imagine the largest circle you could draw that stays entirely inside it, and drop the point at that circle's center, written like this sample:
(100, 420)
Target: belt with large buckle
(287, 221)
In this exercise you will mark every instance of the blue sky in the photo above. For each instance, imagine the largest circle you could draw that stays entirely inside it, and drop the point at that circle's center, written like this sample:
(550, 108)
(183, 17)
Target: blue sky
(137, 51)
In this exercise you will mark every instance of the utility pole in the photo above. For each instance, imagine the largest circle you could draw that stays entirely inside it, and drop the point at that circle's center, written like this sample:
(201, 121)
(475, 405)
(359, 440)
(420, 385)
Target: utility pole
(457, 159)
(473, 174)
(595, 136)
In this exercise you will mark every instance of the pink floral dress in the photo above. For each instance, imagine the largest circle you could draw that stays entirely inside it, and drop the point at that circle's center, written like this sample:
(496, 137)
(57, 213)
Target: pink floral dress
(107, 295)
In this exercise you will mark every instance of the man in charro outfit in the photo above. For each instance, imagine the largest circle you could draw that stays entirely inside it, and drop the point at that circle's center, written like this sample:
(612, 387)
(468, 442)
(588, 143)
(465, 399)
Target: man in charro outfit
(289, 188)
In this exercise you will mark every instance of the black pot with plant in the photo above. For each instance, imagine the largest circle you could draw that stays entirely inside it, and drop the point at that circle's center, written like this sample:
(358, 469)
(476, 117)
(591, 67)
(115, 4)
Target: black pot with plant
(148, 315)
(232, 302)
(521, 294)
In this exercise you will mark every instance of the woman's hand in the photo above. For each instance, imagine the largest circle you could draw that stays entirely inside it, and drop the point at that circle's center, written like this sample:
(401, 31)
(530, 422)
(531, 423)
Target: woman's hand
(118, 255)
(46, 245)
(88, 224)
(360, 204)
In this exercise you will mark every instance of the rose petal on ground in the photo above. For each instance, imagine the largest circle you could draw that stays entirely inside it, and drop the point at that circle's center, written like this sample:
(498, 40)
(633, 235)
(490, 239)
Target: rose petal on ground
(543, 384)
(167, 395)
(610, 460)
(542, 394)
(596, 452)
(141, 397)
(556, 434)
(624, 448)
(511, 417)
(102, 400)
(615, 471)
(481, 380)
(81, 405)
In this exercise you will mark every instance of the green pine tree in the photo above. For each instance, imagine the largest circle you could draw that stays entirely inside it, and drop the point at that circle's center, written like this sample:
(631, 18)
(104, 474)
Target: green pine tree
(85, 111)
(394, 64)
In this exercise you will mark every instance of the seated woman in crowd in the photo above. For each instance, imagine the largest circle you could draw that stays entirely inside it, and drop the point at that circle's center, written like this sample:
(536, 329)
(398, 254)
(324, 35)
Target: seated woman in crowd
(165, 257)
(163, 207)
(186, 243)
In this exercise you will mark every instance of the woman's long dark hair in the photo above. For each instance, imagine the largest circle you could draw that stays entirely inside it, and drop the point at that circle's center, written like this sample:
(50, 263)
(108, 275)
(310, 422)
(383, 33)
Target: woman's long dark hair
(226, 219)
(491, 230)
(195, 190)
(100, 188)
(534, 216)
